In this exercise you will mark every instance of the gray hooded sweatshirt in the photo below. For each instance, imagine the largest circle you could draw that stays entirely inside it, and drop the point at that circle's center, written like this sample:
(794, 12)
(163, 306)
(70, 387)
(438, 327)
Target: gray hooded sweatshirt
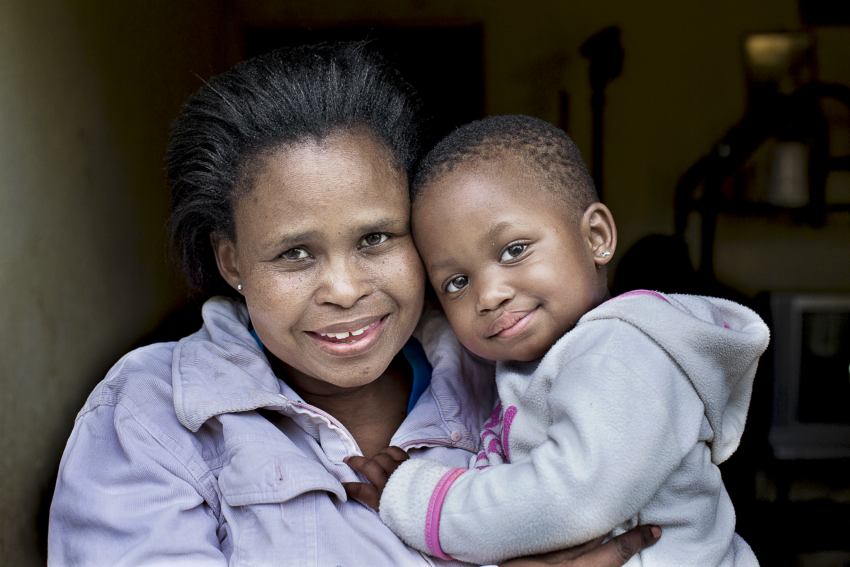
(623, 422)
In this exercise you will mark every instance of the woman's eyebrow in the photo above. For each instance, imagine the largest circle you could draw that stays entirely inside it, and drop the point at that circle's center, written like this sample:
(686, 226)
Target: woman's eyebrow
(374, 226)
(382, 224)
(293, 239)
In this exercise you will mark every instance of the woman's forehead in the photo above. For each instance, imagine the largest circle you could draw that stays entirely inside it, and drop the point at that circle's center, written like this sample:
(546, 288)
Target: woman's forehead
(343, 181)
(346, 159)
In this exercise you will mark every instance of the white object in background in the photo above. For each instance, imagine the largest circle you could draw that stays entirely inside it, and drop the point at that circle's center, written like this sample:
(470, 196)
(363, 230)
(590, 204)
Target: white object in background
(789, 184)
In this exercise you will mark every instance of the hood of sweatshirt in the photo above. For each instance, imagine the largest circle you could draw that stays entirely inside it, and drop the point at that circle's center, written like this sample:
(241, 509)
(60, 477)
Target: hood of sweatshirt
(716, 342)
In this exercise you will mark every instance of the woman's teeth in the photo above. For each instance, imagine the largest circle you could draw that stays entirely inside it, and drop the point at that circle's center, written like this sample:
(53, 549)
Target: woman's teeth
(345, 335)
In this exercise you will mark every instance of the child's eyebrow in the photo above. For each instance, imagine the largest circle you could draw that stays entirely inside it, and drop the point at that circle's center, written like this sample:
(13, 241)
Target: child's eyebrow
(487, 236)
(496, 229)
(437, 266)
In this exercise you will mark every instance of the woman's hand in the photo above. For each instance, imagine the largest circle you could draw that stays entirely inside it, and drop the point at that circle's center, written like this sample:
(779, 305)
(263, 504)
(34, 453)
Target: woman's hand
(613, 553)
(377, 470)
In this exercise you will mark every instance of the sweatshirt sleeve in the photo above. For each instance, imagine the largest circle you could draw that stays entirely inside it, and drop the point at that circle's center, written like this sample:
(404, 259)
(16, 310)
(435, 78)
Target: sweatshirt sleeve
(612, 443)
(123, 498)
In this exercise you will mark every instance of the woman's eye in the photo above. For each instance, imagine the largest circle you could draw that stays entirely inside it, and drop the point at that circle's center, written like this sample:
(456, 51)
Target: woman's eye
(457, 284)
(373, 239)
(295, 254)
(513, 251)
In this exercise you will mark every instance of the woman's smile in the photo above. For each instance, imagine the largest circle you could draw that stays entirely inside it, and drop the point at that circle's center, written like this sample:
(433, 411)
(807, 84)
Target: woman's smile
(350, 343)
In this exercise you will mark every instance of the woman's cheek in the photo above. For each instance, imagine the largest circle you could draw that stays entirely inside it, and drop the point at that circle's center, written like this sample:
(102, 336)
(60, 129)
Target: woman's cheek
(278, 298)
(406, 277)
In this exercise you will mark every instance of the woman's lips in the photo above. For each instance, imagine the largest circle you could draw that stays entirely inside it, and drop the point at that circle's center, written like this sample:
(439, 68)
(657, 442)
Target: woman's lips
(344, 335)
(511, 323)
(349, 339)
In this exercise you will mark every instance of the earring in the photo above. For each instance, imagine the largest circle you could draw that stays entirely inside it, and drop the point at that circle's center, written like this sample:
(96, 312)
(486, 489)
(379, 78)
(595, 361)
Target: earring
(239, 287)
(604, 254)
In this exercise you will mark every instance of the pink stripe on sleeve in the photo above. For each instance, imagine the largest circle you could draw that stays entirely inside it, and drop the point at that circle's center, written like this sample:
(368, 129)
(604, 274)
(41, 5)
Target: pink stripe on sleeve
(643, 292)
(435, 506)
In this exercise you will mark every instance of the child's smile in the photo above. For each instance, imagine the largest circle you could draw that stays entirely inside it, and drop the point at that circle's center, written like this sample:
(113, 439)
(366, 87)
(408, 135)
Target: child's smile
(511, 323)
(513, 266)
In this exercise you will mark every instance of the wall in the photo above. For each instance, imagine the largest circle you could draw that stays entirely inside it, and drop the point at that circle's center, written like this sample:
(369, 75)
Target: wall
(681, 88)
(87, 91)
(88, 88)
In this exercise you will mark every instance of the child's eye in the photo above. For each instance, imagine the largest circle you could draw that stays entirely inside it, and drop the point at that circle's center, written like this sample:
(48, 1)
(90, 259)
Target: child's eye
(457, 284)
(373, 239)
(295, 254)
(512, 252)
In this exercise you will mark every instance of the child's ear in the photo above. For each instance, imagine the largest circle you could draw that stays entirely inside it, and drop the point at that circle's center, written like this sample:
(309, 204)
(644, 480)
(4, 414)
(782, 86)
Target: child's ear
(600, 231)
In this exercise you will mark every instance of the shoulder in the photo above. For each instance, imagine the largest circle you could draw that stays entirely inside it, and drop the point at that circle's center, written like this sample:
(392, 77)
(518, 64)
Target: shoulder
(140, 378)
(133, 408)
(611, 338)
(608, 350)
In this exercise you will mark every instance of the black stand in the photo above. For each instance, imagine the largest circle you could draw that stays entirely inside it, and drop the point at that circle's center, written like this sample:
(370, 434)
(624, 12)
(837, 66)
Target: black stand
(605, 54)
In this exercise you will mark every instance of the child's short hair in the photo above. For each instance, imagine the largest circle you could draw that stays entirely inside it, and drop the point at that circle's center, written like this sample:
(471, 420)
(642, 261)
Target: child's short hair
(540, 147)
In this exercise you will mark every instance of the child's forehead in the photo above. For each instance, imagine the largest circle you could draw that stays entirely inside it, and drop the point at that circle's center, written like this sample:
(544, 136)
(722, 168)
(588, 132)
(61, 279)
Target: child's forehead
(490, 193)
(487, 178)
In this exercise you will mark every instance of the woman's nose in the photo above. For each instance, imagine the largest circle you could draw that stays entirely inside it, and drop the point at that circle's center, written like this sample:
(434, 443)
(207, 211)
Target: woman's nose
(492, 294)
(344, 283)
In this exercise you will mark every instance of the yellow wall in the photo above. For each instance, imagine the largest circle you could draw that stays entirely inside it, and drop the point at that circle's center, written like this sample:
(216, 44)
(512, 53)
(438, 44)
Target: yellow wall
(87, 91)
(682, 87)
(88, 88)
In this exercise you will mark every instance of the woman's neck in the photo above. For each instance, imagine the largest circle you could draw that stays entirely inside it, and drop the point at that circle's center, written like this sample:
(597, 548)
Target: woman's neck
(372, 413)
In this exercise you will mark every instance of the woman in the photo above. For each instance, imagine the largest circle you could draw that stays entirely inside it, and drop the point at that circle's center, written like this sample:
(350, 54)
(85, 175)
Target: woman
(289, 182)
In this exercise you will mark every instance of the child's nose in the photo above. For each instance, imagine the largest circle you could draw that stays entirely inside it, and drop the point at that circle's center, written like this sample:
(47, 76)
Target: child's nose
(493, 295)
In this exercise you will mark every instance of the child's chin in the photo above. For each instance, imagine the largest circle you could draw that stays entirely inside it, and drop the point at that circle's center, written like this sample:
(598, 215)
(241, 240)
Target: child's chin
(505, 354)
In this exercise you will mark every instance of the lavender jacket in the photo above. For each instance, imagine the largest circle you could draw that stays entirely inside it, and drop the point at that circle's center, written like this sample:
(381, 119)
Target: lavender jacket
(169, 464)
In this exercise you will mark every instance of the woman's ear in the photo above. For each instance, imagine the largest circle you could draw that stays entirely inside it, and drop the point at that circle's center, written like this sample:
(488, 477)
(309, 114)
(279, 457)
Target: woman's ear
(601, 232)
(227, 260)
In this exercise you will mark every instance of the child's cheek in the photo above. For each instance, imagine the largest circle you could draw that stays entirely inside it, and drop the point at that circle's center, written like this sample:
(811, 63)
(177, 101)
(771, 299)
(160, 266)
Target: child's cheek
(462, 325)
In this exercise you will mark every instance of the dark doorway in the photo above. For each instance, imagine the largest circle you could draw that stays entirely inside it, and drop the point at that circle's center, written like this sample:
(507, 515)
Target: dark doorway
(445, 65)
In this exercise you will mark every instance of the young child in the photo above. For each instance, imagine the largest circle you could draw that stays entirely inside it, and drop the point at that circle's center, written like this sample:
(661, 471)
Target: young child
(612, 412)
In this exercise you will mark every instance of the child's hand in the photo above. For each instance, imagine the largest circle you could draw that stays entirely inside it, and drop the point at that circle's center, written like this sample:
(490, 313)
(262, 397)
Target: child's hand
(377, 470)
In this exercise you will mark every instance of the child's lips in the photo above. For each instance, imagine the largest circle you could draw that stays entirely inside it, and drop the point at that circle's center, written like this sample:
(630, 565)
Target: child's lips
(511, 323)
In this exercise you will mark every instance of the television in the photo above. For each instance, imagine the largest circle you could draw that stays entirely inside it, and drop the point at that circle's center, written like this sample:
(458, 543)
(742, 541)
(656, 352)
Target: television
(811, 376)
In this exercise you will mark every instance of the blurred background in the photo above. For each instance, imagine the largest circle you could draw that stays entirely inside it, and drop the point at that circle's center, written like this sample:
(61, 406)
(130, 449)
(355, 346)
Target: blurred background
(719, 133)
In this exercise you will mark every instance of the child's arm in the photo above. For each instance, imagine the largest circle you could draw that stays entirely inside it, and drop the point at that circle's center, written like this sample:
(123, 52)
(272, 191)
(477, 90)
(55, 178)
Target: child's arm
(614, 439)
(613, 553)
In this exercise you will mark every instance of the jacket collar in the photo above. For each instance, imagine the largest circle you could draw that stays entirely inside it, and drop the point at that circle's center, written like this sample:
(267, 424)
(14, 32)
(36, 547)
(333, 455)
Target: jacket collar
(222, 369)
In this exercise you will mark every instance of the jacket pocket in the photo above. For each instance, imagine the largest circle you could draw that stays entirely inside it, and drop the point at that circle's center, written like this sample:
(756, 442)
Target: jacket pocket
(260, 472)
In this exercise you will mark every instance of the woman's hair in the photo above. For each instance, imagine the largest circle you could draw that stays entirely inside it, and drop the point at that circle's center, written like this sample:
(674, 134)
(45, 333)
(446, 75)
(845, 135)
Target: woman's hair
(285, 97)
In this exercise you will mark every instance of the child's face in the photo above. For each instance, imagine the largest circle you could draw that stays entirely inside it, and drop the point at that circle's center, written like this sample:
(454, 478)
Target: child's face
(513, 268)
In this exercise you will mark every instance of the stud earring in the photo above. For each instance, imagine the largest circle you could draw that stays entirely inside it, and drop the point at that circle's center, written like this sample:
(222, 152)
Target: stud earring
(604, 254)
(239, 287)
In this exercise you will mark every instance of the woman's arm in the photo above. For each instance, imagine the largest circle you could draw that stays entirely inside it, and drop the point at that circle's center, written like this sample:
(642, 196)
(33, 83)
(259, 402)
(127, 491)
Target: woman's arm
(125, 496)
(613, 553)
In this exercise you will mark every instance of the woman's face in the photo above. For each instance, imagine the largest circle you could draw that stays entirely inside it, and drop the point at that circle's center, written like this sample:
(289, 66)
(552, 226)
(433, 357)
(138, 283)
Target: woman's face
(324, 254)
